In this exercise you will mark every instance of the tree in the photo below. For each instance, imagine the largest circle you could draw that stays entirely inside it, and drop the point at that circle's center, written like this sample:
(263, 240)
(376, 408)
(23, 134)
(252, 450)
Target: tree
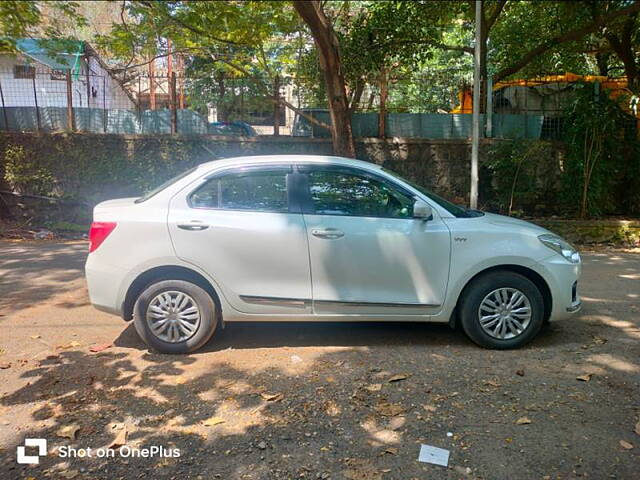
(530, 30)
(328, 47)
(20, 19)
(623, 39)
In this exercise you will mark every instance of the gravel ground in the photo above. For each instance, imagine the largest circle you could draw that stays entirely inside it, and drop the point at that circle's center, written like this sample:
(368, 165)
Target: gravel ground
(328, 401)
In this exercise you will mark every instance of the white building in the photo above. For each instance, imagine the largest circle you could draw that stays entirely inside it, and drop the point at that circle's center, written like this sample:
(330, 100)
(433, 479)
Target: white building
(37, 76)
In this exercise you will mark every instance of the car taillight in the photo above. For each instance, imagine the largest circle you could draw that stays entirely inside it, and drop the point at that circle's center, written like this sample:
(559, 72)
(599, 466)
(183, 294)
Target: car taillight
(98, 232)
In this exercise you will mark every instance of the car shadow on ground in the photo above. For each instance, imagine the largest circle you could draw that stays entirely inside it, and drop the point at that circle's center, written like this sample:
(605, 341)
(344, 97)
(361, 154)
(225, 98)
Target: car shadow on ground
(251, 335)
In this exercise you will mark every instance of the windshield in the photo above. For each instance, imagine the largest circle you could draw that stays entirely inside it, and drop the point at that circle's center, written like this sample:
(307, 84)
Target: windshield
(455, 210)
(159, 188)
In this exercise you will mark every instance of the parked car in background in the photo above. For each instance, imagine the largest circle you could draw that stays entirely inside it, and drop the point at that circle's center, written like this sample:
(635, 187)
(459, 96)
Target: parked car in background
(313, 238)
(238, 129)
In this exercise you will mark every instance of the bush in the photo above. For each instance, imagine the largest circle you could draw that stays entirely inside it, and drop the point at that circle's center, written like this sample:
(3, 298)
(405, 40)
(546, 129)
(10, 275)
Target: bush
(524, 176)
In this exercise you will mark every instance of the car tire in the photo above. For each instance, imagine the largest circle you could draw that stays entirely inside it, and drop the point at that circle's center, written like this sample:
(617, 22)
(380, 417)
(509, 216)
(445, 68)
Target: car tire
(488, 298)
(180, 332)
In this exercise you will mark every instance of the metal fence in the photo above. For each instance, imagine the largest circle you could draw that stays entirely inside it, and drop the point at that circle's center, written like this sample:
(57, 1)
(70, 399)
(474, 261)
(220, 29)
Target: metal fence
(435, 106)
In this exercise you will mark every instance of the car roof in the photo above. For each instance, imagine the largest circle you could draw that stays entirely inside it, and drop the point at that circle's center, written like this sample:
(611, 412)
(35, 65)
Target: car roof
(287, 159)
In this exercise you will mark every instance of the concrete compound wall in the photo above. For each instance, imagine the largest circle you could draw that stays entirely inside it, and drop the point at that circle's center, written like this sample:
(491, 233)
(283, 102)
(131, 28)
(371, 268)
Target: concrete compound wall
(94, 167)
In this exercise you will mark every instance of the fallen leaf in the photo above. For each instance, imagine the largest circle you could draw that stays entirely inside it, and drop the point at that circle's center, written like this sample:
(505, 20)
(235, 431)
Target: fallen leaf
(585, 378)
(391, 450)
(626, 445)
(429, 408)
(4, 366)
(68, 431)
(520, 373)
(397, 378)
(374, 387)
(69, 474)
(396, 423)
(100, 348)
(35, 337)
(333, 409)
(523, 421)
(211, 421)
(637, 430)
(120, 440)
(387, 409)
(271, 397)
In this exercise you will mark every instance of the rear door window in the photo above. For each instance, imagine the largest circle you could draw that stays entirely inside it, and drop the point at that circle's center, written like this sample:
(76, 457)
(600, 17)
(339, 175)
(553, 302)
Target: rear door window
(260, 190)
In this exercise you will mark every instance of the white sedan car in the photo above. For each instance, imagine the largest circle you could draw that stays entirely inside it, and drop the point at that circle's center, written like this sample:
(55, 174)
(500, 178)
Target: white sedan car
(314, 238)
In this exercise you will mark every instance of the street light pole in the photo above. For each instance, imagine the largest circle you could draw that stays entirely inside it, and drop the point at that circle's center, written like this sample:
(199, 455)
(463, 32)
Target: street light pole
(475, 120)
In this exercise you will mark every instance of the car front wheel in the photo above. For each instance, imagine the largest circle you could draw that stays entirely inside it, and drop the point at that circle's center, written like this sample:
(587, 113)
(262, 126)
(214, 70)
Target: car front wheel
(502, 310)
(175, 316)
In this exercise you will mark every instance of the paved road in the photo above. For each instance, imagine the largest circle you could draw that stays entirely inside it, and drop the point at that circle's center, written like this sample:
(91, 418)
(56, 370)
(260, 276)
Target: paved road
(279, 401)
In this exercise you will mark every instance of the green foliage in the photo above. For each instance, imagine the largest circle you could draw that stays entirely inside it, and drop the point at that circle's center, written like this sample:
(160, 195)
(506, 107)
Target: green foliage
(26, 176)
(602, 150)
(525, 25)
(24, 18)
(231, 34)
(524, 177)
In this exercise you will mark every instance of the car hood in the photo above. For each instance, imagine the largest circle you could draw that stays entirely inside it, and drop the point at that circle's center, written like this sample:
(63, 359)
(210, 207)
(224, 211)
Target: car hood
(515, 223)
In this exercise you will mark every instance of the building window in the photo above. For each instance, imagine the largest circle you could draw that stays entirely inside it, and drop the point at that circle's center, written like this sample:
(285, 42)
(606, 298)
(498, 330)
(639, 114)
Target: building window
(24, 71)
(58, 74)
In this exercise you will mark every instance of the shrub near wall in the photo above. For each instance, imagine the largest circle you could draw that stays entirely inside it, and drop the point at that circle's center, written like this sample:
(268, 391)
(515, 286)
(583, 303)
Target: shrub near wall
(92, 168)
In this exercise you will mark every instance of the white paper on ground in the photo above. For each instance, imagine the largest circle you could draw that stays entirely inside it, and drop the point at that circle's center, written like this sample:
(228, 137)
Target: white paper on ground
(435, 455)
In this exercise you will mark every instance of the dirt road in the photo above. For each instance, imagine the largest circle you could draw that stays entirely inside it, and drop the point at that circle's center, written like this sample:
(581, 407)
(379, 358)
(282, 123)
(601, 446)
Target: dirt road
(281, 401)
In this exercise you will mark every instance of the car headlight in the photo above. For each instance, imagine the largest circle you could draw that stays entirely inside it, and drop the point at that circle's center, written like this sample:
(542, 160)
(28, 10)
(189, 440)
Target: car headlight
(560, 246)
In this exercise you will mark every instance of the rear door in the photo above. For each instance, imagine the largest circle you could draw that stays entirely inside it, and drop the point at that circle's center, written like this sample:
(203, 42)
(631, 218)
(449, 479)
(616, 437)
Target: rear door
(368, 254)
(242, 227)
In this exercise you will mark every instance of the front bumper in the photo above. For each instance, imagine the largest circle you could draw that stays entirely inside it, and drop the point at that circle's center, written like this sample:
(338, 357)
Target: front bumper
(563, 279)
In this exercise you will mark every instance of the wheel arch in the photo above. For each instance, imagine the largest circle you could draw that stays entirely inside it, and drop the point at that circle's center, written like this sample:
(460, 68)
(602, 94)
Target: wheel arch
(166, 272)
(526, 272)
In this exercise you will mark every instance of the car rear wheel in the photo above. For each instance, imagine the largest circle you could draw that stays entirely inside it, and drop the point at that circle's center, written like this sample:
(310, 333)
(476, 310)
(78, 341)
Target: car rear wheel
(502, 310)
(175, 316)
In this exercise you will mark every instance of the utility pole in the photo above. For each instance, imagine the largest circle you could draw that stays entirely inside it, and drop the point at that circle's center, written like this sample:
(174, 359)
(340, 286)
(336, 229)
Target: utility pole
(475, 119)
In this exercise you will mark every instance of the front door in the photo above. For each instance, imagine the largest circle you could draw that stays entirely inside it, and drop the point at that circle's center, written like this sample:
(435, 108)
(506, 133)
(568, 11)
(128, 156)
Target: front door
(241, 228)
(368, 254)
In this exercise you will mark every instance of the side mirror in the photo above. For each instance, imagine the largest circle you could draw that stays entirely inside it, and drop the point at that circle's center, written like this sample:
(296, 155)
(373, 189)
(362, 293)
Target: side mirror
(422, 210)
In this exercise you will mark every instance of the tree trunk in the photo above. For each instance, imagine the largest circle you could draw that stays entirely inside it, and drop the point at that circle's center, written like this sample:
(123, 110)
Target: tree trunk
(328, 46)
(356, 95)
(602, 61)
(623, 47)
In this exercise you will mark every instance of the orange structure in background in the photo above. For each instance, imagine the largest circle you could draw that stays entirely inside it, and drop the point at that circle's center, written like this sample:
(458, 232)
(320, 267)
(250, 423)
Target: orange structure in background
(615, 86)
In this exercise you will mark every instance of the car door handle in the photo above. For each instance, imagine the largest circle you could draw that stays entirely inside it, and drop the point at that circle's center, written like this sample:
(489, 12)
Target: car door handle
(193, 226)
(327, 233)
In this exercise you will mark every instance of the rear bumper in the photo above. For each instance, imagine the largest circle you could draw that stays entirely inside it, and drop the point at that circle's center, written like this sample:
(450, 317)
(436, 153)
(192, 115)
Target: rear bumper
(103, 283)
(563, 279)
